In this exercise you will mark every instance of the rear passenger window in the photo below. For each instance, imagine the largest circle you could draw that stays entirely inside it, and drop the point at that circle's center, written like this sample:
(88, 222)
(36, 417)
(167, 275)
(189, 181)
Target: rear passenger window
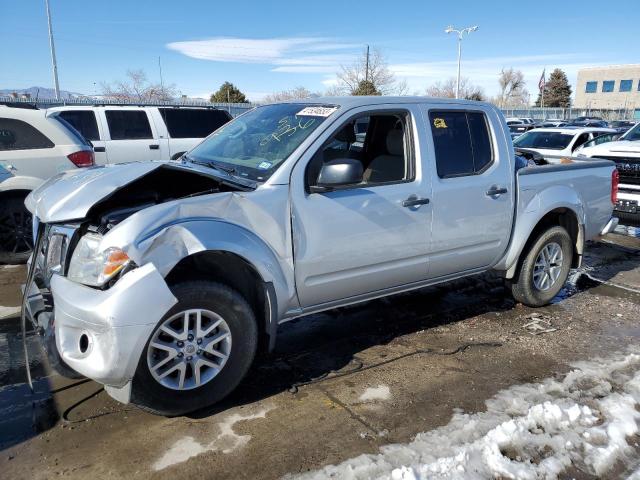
(19, 135)
(462, 142)
(84, 121)
(191, 122)
(128, 124)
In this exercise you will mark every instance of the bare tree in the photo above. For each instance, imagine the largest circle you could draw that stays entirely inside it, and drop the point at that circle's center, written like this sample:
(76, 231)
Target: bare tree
(137, 88)
(512, 89)
(298, 92)
(371, 72)
(447, 89)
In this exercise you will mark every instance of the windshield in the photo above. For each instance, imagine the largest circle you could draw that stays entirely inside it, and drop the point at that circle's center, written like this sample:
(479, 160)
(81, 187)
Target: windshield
(255, 144)
(547, 140)
(633, 134)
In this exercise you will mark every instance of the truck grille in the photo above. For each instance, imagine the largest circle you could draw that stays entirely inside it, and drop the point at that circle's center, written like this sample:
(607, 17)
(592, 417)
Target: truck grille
(628, 168)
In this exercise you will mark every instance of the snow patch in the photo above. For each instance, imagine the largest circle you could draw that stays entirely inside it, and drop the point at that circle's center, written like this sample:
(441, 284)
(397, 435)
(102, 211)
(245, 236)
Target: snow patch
(532, 431)
(6, 312)
(381, 392)
(226, 442)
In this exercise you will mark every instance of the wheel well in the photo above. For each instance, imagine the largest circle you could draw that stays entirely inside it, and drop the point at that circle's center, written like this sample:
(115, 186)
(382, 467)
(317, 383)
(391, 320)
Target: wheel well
(15, 194)
(235, 272)
(565, 218)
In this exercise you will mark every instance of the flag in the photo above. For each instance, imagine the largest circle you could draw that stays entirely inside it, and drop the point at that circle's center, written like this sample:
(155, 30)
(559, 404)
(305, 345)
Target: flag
(542, 83)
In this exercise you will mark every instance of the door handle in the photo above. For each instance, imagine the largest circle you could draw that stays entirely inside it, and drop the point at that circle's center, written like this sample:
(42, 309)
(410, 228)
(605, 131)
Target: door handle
(414, 201)
(495, 191)
(154, 147)
(99, 149)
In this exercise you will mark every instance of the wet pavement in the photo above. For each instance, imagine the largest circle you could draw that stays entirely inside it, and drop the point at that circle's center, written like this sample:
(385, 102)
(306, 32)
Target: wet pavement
(341, 383)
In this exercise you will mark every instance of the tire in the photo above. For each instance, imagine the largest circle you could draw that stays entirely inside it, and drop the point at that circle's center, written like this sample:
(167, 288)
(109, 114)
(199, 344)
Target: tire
(539, 289)
(215, 301)
(16, 237)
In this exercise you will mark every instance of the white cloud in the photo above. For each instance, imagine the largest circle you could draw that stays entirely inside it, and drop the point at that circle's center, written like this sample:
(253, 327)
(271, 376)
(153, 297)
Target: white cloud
(296, 54)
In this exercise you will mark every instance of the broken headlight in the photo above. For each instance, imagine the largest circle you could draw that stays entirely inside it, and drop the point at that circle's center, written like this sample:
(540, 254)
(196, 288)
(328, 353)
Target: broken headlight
(91, 266)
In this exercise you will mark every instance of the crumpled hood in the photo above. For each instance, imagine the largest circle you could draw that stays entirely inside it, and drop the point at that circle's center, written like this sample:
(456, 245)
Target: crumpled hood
(617, 148)
(70, 195)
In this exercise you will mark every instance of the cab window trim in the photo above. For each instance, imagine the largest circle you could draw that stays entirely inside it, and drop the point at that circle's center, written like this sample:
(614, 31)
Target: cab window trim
(409, 149)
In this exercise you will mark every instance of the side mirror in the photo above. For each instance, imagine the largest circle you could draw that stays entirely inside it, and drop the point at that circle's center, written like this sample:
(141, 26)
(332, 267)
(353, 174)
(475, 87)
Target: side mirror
(337, 173)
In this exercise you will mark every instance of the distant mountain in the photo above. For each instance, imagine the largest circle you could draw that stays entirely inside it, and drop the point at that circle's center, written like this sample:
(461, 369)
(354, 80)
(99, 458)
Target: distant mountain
(39, 92)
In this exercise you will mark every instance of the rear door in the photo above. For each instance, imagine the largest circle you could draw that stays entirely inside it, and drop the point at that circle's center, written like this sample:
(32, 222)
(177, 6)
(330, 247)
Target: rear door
(473, 186)
(131, 135)
(86, 122)
(188, 126)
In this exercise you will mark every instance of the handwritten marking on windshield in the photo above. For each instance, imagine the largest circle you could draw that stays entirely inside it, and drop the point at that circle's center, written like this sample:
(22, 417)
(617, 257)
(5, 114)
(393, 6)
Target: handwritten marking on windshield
(285, 128)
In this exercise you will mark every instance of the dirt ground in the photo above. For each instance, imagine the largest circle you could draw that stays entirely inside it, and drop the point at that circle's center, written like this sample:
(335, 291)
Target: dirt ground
(341, 383)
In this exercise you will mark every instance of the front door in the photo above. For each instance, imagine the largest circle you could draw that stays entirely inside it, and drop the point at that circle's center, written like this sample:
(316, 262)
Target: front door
(371, 236)
(472, 190)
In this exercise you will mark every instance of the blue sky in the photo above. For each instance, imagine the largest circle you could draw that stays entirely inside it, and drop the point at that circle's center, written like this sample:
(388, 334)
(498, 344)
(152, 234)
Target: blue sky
(265, 46)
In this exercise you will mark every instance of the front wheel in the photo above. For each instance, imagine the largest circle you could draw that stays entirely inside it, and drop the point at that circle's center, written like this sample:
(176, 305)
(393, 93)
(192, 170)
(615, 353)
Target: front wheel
(16, 236)
(545, 269)
(198, 353)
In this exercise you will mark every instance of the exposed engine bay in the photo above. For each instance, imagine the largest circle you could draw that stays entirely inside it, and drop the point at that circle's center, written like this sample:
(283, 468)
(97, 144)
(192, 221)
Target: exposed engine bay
(159, 186)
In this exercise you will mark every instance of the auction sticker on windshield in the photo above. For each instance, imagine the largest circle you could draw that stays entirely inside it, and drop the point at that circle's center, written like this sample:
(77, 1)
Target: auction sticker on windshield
(317, 111)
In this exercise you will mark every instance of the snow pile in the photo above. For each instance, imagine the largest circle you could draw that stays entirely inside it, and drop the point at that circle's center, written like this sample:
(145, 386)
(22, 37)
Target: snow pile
(587, 420)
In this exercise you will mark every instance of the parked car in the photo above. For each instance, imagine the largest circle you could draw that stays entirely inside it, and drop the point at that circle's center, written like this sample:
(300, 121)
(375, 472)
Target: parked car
(518, 129)
(626, 154)
(33, 147)
(132, 133)
(558, 142)
(605, 138)
(164, 278)
(551, 123)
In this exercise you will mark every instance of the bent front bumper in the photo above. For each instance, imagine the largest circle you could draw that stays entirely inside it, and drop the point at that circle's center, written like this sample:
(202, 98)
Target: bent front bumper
(102, 333)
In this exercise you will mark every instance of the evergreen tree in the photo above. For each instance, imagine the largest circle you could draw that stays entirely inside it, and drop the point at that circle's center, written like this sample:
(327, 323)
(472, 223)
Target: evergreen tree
(557, 91)
(228, 93)
(365, 87)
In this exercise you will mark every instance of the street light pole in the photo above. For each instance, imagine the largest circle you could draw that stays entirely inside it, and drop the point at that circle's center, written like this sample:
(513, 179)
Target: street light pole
(53, 53)
(460, 34)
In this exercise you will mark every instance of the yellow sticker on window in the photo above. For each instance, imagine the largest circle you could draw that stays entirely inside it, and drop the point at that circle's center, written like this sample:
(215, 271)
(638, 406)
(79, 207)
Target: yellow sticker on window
(439, 123)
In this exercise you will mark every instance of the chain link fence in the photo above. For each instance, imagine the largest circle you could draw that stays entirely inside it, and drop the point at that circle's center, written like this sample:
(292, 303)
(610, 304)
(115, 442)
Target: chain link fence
(238, 108)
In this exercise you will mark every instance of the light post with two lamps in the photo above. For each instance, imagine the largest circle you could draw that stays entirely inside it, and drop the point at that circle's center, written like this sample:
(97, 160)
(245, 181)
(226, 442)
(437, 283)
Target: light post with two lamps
(460, 33)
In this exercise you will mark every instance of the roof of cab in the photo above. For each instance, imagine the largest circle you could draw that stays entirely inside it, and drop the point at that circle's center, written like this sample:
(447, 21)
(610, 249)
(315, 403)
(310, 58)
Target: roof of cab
(366, 100)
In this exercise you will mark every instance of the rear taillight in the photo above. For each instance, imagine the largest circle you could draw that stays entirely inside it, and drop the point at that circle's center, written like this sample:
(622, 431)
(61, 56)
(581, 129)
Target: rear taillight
(83, 158)
(615, 180)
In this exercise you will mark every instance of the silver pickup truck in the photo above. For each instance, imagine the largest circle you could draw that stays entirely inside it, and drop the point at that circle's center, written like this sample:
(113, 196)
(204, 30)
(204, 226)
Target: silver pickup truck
(161, 280)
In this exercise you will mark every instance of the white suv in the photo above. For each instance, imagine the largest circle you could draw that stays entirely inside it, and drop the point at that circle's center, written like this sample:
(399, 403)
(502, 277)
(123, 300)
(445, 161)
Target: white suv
(33, 147)
(136, 133)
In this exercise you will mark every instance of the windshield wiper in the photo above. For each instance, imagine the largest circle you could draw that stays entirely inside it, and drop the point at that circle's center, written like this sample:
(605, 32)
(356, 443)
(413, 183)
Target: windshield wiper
(229, 172)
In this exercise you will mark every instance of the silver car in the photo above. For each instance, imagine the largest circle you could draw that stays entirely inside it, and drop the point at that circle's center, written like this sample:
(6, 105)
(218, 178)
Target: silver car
(167, 277)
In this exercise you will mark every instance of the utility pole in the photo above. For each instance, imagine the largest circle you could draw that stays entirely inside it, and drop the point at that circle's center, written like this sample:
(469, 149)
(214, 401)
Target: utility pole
(366, 68)
(460, 33)
(160, 68)
(53, 53)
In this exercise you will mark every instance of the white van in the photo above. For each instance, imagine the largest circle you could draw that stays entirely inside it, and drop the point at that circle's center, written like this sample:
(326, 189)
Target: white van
(136, 133)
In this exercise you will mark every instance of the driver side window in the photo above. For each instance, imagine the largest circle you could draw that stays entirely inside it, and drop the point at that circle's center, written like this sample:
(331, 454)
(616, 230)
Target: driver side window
(378, 141)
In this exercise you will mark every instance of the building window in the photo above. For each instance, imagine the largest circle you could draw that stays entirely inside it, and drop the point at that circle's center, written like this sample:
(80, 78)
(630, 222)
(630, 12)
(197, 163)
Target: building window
(592, 87)
(625, 85)
(607, 85)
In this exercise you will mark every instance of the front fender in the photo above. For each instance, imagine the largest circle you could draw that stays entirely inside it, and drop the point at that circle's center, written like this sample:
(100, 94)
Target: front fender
(170, 244)
(531, 209)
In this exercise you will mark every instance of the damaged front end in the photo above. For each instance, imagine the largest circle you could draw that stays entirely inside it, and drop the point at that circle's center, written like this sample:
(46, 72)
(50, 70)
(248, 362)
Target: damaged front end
(86, 301)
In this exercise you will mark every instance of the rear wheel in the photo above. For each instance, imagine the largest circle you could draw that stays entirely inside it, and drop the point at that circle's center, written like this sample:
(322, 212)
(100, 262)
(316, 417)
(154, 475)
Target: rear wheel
(545, 269)
(199, 351)
(16, 234)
